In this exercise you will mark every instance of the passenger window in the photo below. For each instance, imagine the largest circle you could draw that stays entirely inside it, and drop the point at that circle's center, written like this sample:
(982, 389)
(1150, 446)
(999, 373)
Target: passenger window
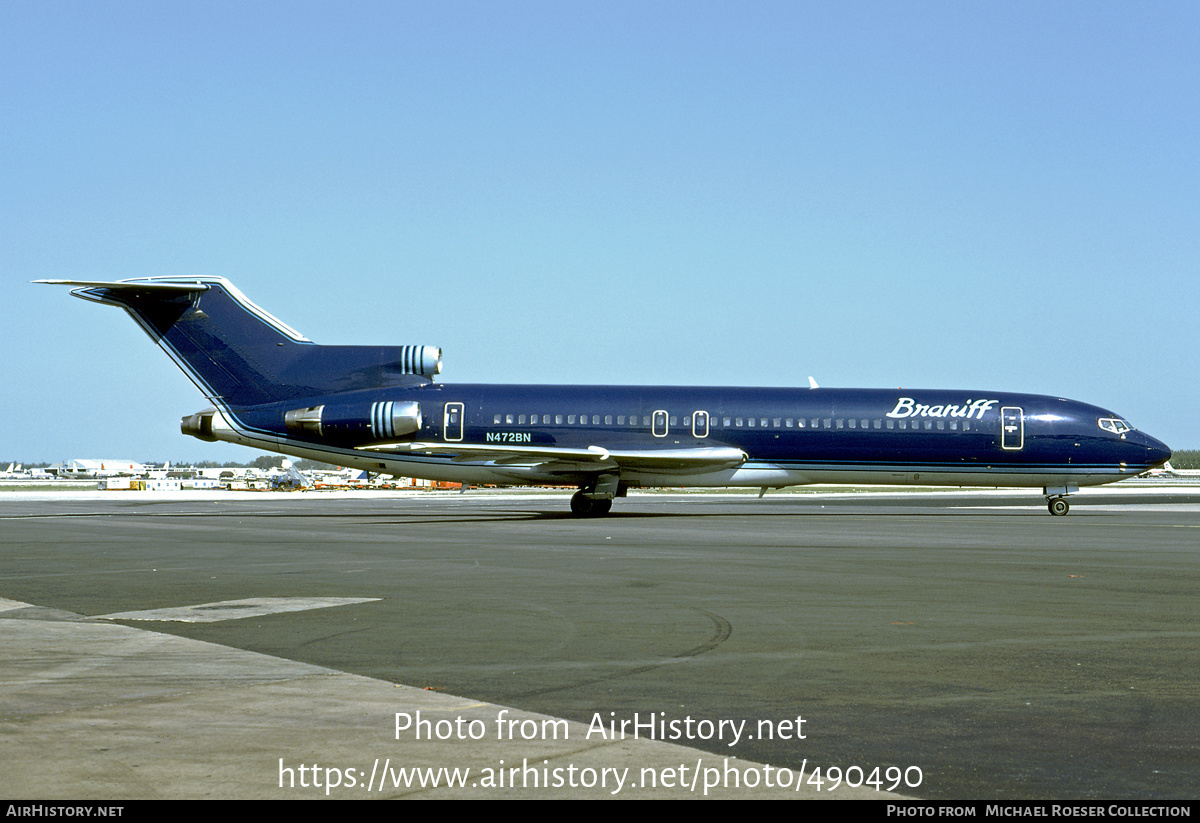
(496, 420)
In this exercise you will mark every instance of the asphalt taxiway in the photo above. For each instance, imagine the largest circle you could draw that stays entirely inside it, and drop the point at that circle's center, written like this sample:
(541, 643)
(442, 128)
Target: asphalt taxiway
(218, 645)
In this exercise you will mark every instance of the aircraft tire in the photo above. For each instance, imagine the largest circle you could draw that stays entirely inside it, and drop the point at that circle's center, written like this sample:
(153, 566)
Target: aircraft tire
(582, 506)
(1058, 506)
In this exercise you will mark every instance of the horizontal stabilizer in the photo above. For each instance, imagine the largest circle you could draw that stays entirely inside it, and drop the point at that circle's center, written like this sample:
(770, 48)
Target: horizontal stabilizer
(131, 285)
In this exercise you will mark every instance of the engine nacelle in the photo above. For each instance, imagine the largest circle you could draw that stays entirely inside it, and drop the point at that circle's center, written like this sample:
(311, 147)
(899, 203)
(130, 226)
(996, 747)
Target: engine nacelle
(199, 425)
(423, 360)
(360, 422)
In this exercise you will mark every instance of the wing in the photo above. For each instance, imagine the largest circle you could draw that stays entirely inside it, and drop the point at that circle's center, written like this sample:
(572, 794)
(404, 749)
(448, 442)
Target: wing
(590, 459)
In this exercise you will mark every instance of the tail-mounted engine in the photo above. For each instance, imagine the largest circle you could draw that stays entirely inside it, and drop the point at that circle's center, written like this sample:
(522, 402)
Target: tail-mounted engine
(423, 360)
(357, 422)
(199, 425)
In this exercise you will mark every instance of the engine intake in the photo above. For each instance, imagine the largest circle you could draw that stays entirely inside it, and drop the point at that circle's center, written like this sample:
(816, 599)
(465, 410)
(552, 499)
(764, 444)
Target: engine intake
(423, 360)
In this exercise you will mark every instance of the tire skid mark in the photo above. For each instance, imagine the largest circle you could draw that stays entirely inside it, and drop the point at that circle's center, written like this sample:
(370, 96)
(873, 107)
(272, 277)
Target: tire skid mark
(722, 631)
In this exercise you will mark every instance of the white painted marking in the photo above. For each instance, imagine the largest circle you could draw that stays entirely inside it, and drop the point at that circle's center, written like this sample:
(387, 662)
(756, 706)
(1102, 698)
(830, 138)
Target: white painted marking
(236, 609)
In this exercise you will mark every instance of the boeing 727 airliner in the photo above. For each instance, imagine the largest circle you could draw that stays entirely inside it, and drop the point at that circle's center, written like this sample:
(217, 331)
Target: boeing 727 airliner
(378, 408)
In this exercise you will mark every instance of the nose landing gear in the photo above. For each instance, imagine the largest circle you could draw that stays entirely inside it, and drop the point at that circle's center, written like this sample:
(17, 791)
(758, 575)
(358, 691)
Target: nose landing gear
(1056, 498)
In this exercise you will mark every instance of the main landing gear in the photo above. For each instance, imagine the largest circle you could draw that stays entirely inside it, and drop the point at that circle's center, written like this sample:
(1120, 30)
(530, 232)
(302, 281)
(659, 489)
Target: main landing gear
(584, 506)
(595, 499)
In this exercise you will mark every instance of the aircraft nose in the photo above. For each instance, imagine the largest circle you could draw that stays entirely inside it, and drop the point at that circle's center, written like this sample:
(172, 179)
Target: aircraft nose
(1160, 453)
(1157, 451)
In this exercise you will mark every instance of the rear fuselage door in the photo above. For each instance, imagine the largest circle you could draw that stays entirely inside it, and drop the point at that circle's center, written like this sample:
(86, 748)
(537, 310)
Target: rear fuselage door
(1012, 428)
(452, 422)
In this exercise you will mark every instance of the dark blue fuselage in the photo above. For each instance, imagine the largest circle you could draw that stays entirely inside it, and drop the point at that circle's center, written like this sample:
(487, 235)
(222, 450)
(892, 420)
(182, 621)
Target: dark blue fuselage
(925, 436)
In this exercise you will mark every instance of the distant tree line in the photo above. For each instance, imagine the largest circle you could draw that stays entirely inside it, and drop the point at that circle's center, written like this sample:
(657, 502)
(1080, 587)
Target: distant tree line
(1186, 459)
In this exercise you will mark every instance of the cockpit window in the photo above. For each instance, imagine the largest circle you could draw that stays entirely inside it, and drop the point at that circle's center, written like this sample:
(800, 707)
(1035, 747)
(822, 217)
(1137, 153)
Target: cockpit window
(1115, 425)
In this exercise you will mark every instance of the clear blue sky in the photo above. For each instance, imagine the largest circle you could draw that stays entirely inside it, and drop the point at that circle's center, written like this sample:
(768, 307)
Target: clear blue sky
(977, 195)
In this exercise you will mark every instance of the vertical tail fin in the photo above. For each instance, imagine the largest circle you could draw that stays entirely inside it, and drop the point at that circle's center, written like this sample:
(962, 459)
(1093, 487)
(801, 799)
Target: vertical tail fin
(239, 355)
